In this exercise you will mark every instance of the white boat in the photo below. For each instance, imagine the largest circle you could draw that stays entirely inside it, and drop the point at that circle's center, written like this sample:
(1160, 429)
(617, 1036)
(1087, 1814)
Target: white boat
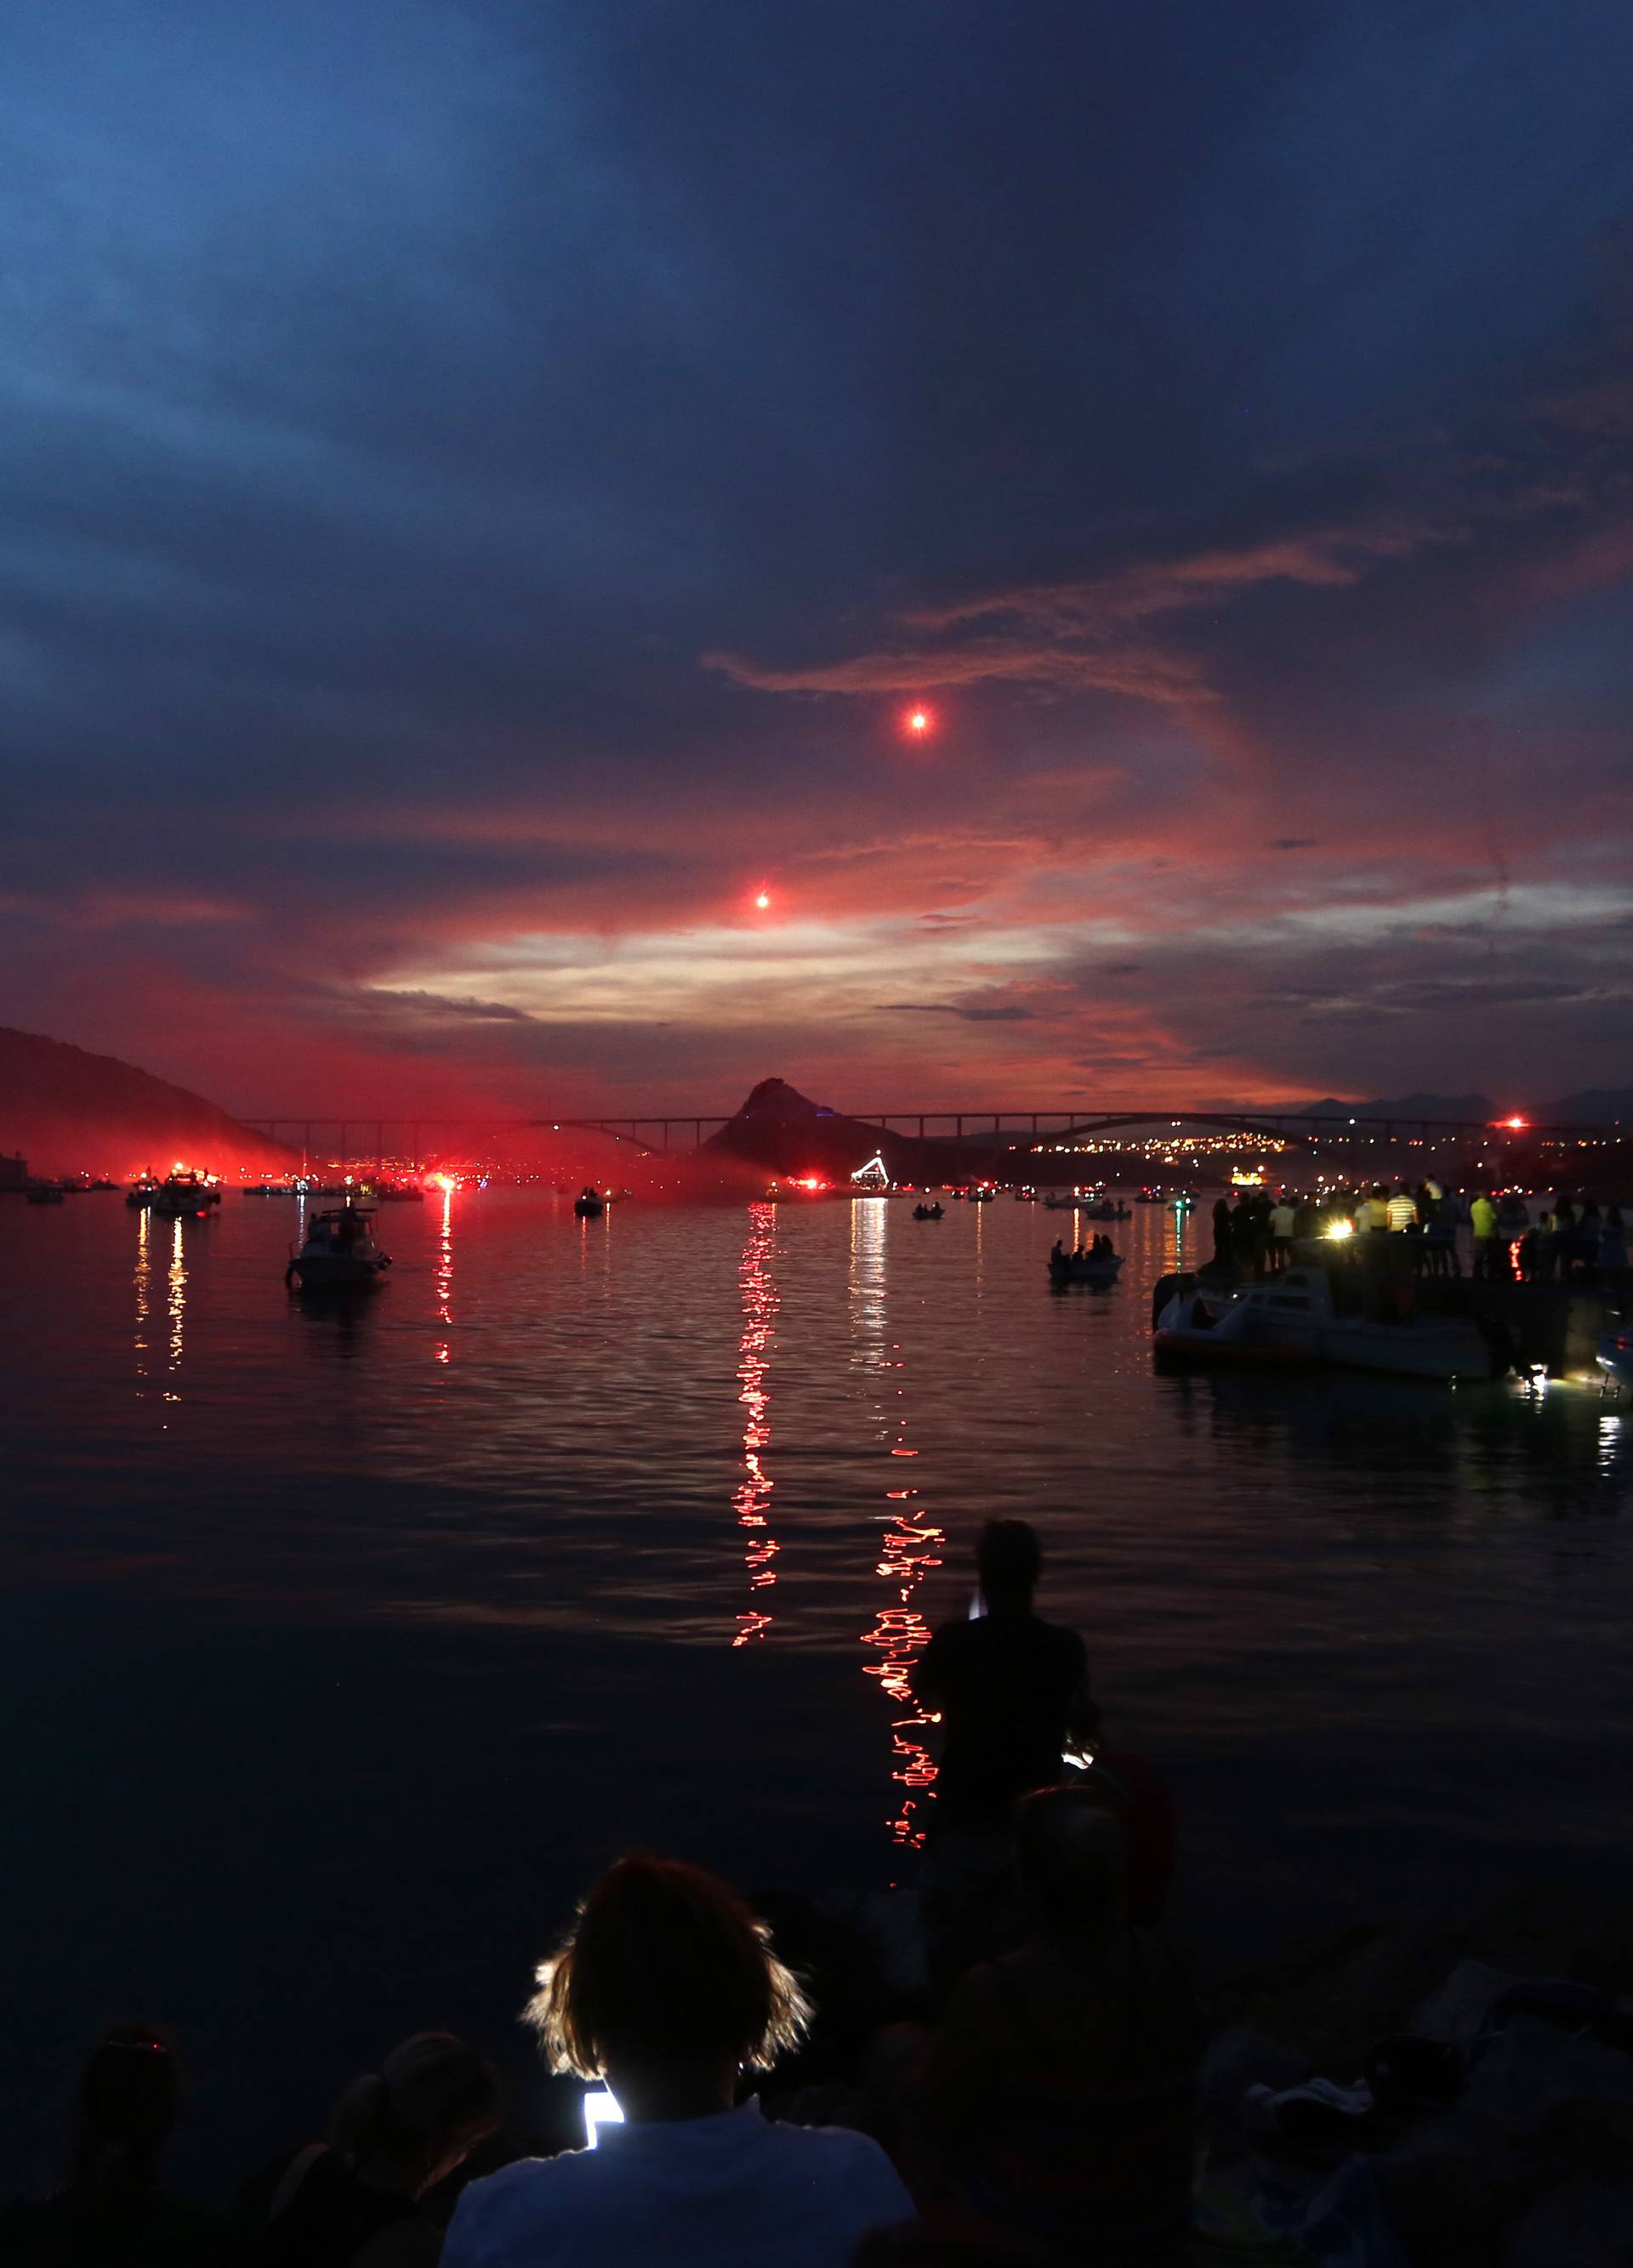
(339, 1249)
(1290, 1318)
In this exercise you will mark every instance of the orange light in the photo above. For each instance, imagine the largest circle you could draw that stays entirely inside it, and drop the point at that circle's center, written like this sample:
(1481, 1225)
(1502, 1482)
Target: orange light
(1515, 1124)
(918, 721)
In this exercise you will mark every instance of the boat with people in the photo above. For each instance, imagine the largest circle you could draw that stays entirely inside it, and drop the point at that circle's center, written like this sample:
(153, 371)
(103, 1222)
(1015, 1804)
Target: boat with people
(984, 1195)
(1105, 1209)
(1293, 1318)
(588, 1205)
(338, 1251)
(929, 1212)
(1091, 1266)
(141, 1191)
(186, 1195)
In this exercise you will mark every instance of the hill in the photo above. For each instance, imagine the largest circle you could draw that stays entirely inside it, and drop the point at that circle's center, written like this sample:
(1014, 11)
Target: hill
(71, 1112)
(787, 1133)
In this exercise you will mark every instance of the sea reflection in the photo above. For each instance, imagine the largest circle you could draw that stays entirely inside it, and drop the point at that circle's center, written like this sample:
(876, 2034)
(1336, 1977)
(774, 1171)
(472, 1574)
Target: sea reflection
(143, 1277)
(176, 1304)
(908, 1546)
(444, 1278)
(752, 1496)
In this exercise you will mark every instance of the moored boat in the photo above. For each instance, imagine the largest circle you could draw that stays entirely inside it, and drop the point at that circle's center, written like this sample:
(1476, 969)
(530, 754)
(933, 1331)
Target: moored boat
(1292, 1318)
(338, 1251)
(186, 1195)
(588, 1205)
(44, 1193)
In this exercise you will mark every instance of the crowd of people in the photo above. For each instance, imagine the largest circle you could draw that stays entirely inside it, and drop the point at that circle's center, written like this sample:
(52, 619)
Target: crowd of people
(1573, 1238)
(1035, 2102)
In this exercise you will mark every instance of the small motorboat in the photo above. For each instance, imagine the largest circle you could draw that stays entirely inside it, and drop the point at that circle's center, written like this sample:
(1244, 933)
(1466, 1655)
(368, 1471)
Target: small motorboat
(1104, 1209)
(44, 1193)
(1291, 1318)
(186, 1195)
(928, 1212)
(1092, 1268)
(141, 1191)
(1150, 1197)
(400, 1193)
(982, 1196)
(588, 1205)
(1193, 1328)
(339, 1251)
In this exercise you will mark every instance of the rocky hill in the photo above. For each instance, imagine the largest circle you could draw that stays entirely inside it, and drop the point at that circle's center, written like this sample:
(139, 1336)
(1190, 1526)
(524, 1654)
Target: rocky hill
(787, 1133)
(71, 1112)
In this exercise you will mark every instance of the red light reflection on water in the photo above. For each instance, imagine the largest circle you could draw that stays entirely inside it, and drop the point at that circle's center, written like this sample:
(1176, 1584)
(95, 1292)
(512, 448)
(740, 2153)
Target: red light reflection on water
(752, 1496)
(444, 1282)
(909, 1548)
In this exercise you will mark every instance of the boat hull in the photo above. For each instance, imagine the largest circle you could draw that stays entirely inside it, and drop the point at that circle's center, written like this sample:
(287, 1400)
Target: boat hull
(1078, 1271)
(1193, 1346)
(325, 1271)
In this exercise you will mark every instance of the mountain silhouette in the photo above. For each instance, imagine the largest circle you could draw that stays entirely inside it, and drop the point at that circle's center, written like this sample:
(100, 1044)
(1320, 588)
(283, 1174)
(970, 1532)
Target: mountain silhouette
(71, 1112)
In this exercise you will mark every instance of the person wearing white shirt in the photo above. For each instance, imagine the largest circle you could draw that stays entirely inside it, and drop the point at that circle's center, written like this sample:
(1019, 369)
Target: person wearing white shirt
(667, 1989)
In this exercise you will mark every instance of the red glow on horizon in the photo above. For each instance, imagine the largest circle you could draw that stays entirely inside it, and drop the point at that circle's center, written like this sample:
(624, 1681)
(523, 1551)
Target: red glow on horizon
(1515, 1124)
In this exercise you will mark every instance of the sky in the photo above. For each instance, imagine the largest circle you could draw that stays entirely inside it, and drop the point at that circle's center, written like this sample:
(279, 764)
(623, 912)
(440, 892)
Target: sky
(486, 484)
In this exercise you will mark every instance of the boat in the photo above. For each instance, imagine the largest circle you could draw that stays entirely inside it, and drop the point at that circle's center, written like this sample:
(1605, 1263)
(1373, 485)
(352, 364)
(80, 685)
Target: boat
(928, 1212)
(1104, 1209)
(186, 1195)
(982, 1196)
(339, 1251)
(1246, 1331)
(1075, 1203)
(44, 1193)
(1099, 1268)
(1614, 1354)
(141, 1191)
(588, 1205)
(400, 1193)
(1291, 1318)
(1150, 1197)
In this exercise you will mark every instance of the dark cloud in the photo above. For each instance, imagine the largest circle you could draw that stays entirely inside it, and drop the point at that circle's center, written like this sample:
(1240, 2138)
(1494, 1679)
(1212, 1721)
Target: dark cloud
(482, 483)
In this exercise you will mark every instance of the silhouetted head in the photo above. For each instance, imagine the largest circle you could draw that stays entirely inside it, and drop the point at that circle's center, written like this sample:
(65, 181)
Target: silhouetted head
(129, 2093)
(420, 2114)
(1073, 1859)
(1008, 1559)
(665, 1971)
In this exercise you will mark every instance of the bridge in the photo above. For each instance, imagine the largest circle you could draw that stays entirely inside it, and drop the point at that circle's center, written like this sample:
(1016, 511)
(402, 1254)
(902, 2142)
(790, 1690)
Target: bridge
(665, 1134)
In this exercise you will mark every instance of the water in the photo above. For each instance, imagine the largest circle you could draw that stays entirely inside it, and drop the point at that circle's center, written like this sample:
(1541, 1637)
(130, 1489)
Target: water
(341, 1644)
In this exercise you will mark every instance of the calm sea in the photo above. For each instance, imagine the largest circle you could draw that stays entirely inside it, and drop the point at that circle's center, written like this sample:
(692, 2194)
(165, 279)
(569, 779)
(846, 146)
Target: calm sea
(340, 1644)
